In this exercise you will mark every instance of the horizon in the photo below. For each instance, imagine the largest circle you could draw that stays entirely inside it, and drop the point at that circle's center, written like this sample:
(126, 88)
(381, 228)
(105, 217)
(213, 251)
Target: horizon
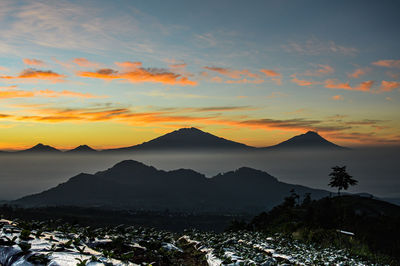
(116, 147)
(109, 75)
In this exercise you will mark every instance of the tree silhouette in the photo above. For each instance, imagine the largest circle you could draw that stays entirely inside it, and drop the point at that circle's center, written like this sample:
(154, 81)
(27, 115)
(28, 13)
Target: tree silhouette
(341, 179)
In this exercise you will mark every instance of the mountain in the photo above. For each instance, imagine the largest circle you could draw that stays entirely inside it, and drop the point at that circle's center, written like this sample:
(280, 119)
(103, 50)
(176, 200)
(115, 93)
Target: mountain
(39, 148)
(134, 185)
(82, 149)
(309, 140)
(187, 139)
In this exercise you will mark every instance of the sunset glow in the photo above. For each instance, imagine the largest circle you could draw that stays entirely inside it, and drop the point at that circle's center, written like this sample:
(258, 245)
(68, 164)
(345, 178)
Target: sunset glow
(118, 73)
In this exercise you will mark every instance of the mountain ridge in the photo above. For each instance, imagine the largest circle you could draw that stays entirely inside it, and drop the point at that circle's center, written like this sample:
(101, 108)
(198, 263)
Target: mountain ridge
(191, 139)
(134, 185)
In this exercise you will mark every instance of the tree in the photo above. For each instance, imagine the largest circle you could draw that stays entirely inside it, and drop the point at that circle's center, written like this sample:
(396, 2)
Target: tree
(341, 179)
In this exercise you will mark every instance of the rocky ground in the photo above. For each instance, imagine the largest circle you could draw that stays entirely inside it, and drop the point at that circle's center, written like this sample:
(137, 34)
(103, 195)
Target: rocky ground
(57, 243)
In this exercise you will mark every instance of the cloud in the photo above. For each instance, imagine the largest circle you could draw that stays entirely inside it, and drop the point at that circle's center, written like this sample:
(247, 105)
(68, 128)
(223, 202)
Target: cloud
(270, 73)
(66, 93)
(13, 92)
(83, 62)
(8, 94)
(364, 122)
(33, 74)
(387, 63)
(321, 71)
(3, 68)
(133, 72)
(170, 95)
(387, 86)
(234, 74)
(181, 65)
(337, 97)
(237, 76)
(302, 82)
(363, 86)
(297, 124)
(33, 62)
(364, 138)
(275, 76)
(129, 65)
(245, 81)
(358, 72)
(315, 46)
(222, 108)
(170, 116)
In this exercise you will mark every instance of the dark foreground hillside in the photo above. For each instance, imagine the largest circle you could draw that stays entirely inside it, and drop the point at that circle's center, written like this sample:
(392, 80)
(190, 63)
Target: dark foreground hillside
(365, 226)
(290, 234)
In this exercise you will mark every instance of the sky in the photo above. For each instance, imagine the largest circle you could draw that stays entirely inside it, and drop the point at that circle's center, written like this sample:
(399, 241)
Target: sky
(117, 73)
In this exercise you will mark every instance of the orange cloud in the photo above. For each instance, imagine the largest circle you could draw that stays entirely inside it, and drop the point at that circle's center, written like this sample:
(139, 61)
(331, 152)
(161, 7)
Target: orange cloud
(323, 70)
(173, 116)
(182, 65)
(129, 64)
(8, 94)
(33, 62)
(270, 73)
(302, 82)
(66, 93)
(363, 86)
(245, 81)
(237, 76)
(358, 73)
(234, 74)
(133, 72)
(13, 92)
(337, 97)
(32, 74)
(389, 85)
(83, 62)
(387, 63)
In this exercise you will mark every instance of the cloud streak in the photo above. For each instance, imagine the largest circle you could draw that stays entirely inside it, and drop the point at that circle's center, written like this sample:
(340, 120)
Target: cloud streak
(83, 62)
(13, 92)
(321, 71)
(33, 62)
(134, 73)
(387, 63)
(363, 86)
(358, 72)
(31, 74)
(387, 86)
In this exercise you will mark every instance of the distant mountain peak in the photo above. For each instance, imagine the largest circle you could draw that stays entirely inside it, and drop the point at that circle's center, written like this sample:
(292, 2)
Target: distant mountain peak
(82, 148)
(41, 148)
(310, 139)
(189, 138)
(310, 132)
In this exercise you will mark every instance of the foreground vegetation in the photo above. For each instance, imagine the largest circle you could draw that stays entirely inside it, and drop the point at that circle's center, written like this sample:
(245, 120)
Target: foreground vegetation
(60, 243)
(367, 228)
(348, 230)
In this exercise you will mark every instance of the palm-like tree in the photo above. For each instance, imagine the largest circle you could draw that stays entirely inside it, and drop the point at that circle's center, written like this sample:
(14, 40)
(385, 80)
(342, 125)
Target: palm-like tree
(341, 179)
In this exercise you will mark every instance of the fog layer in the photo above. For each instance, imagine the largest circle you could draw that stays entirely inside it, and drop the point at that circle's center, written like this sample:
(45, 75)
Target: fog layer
(375, 168)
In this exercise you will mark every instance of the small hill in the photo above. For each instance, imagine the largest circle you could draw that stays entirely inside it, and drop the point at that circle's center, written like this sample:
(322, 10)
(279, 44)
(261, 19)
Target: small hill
(187, 139)
(134, 185)
(82, 149)
(309, 140)
(349, 221)
(40, 148)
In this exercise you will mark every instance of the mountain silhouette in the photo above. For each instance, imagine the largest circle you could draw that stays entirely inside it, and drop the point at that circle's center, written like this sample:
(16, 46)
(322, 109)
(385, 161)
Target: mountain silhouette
(82, 149)
(187, 139)
(193, 139)
(134, 185)
(309, 140)
(39, 148)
